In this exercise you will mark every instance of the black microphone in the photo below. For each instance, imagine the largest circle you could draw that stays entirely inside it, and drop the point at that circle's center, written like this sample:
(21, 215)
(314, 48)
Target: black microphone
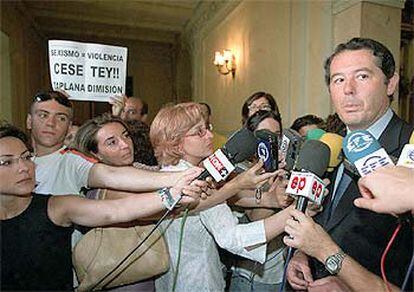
(305, 182)
(289, 147)
(267, 149)
(240, 146)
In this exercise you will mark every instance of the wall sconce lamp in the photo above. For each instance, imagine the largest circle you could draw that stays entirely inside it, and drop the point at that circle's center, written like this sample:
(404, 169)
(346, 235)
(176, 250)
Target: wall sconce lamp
(225, 62)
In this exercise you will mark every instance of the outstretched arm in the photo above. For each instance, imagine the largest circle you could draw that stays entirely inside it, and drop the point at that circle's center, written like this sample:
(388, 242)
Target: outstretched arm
(132, 179)
(66, 210)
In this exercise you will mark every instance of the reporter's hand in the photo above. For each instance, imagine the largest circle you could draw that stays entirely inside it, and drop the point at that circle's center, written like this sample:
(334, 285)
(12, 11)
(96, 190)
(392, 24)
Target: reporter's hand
(118, 104)
(254, 177)
(277, 190)
(298, 272)
(378, 190)
(329, 284)
(308, 236)
(187, 187)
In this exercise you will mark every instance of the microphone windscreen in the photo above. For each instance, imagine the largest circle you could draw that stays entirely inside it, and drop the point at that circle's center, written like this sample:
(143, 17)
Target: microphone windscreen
(314, 134)
(334, 142)
(289, 147)
(314, 157)
(358, 144)
(412, 138)
(241, 145)
(265, 134)
(292, 134)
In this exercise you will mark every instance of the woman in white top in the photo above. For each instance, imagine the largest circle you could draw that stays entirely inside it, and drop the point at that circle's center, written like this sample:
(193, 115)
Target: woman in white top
(182, 139)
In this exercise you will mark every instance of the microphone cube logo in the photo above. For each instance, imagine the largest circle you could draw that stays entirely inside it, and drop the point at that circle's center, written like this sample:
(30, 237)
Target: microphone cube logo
(263, 151)
(359, 142)
(407, 156)
(306, 185)
(375, 160)
(284, 145)
(218, 166)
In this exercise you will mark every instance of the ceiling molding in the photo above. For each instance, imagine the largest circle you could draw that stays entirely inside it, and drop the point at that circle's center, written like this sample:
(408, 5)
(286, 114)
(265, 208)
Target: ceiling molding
(52, 27)
(135, 23)
(341, 5)
(207, 15)
(146, 20)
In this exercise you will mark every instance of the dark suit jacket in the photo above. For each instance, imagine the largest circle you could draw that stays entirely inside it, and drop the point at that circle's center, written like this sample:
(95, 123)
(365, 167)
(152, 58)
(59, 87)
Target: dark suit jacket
(363, 234)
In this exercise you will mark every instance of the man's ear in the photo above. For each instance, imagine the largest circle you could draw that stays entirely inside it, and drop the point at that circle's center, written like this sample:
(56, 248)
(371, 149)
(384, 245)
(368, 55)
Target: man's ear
(29, 122)
(392, 84)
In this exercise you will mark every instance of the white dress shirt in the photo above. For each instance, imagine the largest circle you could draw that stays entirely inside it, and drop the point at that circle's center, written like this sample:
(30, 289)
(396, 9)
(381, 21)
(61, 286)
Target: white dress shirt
(200, 268)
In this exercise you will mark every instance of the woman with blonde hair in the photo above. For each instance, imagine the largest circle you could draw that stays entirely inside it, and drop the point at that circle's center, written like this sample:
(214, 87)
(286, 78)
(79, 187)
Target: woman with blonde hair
(181, 139)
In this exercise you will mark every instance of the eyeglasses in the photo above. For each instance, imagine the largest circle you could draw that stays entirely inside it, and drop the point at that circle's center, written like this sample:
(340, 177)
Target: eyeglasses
(56, 95)
(202, 131)
(13, 161)
(264, 107)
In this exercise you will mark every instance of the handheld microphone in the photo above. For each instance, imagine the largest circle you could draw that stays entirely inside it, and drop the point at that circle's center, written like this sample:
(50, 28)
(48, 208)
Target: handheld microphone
(289, 147)
(334, 142)
(407, 155)
(312, 163)
(306, 183)
(364, 151)
(267, 149)
(314, 134)
(240, 146)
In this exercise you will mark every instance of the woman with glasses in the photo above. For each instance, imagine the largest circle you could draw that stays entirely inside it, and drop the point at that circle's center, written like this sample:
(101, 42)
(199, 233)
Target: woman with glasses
(36, 229)
(181, 139)
(258, 101)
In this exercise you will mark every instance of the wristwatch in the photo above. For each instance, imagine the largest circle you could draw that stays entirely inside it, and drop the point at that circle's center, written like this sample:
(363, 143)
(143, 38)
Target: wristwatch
(334, 262)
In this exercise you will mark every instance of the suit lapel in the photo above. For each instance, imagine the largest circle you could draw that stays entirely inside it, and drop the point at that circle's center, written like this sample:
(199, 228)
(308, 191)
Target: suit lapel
(390, 140)
(345, 205)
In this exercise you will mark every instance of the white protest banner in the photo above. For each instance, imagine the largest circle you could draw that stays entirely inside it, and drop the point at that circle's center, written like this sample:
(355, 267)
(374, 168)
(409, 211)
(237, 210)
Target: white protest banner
(86, 71)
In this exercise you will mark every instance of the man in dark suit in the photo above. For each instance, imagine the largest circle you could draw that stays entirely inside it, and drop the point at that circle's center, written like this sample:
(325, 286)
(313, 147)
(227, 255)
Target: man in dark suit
(361, 78)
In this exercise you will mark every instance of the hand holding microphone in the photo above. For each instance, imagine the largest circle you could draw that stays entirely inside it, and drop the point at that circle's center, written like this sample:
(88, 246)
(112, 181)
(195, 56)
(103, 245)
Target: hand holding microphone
(240, 146)
(364, 151)
(377, 188)
(308, 236)
(306, 183)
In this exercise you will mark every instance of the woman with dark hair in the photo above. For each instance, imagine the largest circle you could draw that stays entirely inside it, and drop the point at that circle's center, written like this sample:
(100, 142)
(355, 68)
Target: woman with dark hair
(143, 151)
(258, 101)
(246, 274)
(36, 228)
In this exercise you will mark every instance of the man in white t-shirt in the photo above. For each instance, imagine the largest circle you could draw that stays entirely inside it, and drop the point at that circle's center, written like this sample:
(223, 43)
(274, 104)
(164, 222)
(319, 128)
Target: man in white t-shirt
(59, 171)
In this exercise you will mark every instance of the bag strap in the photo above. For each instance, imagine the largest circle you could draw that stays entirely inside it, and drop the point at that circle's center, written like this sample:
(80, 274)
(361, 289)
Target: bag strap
(101, 194)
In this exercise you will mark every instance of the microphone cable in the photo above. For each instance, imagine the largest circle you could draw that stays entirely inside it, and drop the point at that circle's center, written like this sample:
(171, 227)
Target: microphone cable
(180, 245)
(287, 260)
(409, 273)
(384, 255)
(130, 253)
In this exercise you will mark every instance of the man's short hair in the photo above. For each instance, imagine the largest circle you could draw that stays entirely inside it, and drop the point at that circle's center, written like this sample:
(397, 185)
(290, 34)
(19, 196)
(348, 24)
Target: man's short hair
(60, 97)
(384, 58)
(306, 121)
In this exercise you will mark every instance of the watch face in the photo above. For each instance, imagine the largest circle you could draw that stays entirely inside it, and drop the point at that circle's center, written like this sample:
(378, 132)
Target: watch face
(331, 265)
